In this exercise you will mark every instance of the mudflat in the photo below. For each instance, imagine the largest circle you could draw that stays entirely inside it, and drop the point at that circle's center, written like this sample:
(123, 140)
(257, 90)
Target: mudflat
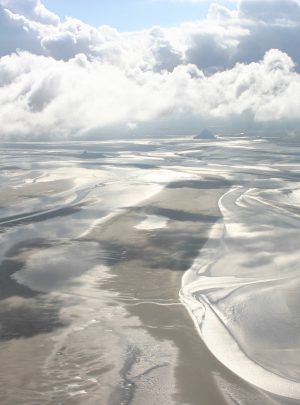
(94, 250)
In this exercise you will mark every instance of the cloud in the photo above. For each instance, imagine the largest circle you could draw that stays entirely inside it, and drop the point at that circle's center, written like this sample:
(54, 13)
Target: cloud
(270, 10)
(16, 32)
(66, 78)
(31, 9)
(42, 95)
(208, 52)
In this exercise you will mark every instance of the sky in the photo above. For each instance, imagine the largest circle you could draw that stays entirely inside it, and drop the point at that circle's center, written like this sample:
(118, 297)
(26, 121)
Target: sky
(129, 15)
(234, 68)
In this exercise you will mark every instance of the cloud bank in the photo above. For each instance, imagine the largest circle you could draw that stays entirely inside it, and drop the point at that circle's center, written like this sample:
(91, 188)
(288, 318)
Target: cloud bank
(61, 79)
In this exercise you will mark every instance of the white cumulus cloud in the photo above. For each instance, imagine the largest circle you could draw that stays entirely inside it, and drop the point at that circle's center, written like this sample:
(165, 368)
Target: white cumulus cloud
(67, 78)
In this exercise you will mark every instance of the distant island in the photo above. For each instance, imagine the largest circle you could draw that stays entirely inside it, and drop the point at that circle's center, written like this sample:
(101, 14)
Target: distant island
(205, 134)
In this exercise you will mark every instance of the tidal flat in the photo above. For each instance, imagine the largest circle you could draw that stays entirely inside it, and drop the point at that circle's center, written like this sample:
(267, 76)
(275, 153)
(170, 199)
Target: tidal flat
(155, 272)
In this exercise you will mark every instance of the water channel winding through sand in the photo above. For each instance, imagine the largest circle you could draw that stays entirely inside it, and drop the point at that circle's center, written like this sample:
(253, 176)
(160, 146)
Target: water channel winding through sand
(96, 247)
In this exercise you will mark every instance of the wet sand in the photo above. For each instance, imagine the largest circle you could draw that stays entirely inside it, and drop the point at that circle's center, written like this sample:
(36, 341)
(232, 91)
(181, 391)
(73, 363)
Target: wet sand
(141, 345)
(90, 279)
(17, 195)
(148, 266)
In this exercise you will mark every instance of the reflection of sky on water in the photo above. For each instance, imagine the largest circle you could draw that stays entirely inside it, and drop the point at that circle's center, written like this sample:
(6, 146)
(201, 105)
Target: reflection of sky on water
(55, 219)
(59, 266)
(253, 276)
(244, 288)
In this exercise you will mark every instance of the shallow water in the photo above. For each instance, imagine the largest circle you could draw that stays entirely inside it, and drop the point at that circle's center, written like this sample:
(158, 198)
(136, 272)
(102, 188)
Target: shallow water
(243, 289)
(66, 309)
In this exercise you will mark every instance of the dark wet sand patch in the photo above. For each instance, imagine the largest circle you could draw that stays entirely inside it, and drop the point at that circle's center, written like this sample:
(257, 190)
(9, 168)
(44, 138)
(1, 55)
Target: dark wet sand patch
(24, 312)
(25, 318)
(201, 184)
(176, 215)
(38, 216)
(14, 261)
